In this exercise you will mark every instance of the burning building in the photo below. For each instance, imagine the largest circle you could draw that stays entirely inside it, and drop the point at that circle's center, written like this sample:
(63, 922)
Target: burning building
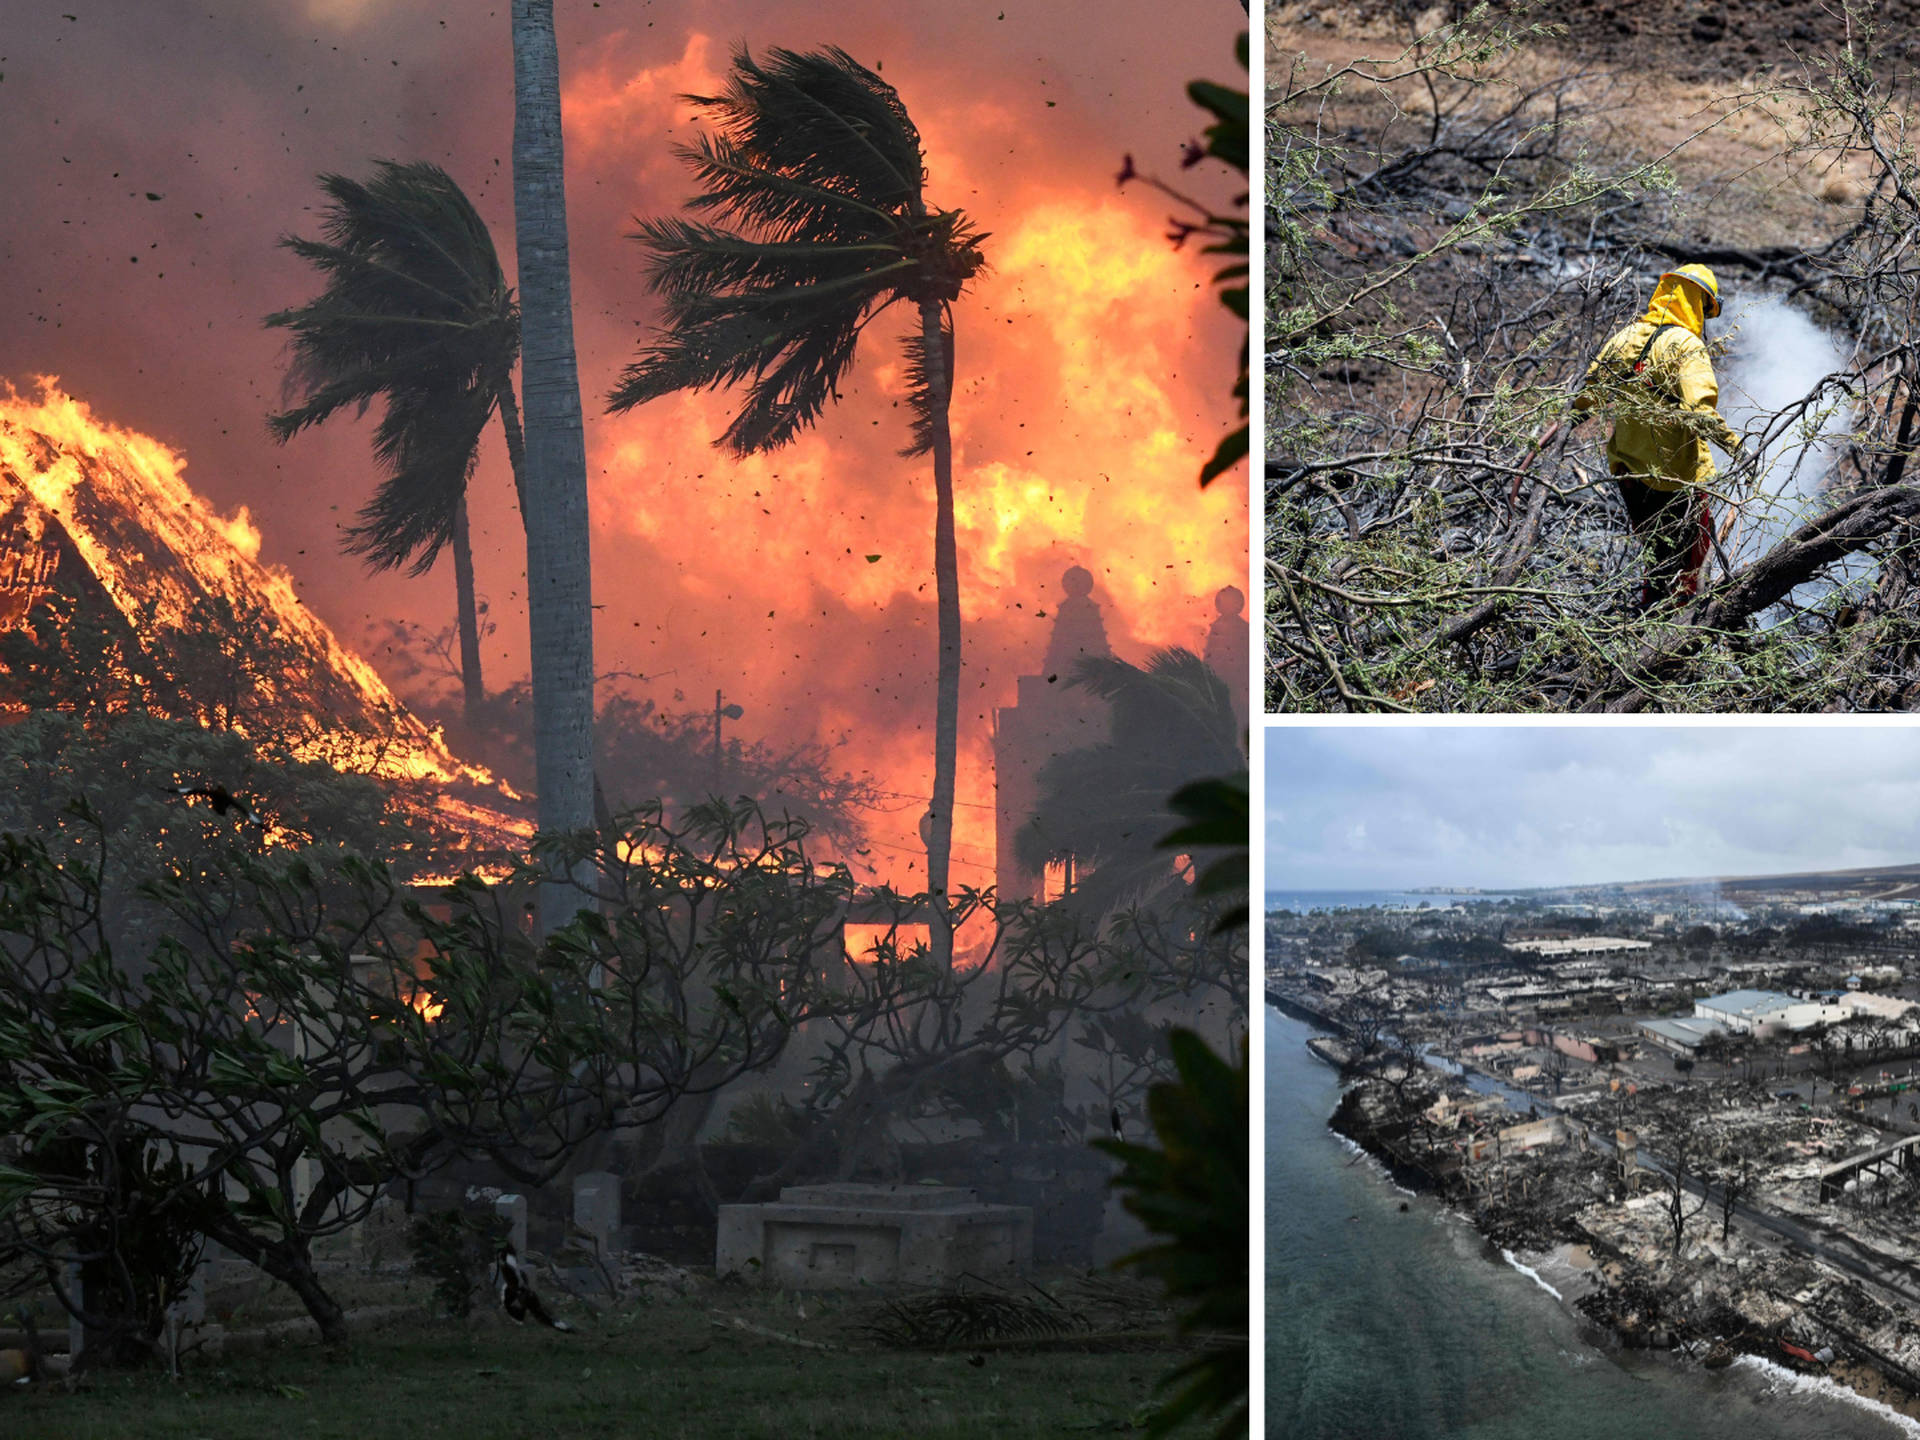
(1051, 715)
(103, 538)
(1229, 646)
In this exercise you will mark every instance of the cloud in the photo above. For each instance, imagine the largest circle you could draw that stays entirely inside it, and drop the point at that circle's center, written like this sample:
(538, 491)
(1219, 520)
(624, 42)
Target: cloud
(1390, 806)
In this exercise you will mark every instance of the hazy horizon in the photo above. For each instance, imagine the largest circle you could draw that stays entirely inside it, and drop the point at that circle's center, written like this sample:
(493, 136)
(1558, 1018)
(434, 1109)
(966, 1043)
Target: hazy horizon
(1402, 807)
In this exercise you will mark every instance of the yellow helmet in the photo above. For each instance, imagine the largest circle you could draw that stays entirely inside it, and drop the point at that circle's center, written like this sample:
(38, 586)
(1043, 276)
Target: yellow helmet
(1703, 277)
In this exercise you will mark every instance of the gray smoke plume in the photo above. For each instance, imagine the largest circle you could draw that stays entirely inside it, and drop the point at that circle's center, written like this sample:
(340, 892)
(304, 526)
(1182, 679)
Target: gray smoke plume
(1777, 357)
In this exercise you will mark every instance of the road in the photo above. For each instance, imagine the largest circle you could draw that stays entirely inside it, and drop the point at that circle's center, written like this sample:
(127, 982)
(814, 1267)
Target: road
(1899, 1279)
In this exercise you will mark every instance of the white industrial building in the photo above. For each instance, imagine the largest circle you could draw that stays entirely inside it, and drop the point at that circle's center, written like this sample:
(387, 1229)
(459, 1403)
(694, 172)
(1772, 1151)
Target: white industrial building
(1765, 1013)
(1586, 945)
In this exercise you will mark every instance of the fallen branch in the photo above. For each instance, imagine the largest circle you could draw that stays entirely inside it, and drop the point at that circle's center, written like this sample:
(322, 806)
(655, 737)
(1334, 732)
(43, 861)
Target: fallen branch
(734, 1322)
(1456, 630)
(1802, 556)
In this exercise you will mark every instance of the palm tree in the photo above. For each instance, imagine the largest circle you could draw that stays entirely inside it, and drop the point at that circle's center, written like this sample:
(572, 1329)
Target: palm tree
(416, 312)
(1107, 806)
(815, 176)
(559, 564)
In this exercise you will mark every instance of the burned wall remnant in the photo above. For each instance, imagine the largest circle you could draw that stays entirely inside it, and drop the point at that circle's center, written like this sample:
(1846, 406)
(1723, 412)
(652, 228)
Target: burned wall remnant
(1049, 716)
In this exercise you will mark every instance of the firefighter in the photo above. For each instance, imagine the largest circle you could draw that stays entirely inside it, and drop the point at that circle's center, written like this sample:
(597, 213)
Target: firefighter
(1657, 378)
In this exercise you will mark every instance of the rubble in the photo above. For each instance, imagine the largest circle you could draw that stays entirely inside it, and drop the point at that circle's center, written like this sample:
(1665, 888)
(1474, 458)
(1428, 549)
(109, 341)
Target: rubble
(1568, 1183)
(1548, 1064)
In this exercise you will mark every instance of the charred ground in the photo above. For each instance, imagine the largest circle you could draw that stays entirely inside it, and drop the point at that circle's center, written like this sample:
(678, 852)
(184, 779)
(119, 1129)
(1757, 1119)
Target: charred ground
(1454, 229)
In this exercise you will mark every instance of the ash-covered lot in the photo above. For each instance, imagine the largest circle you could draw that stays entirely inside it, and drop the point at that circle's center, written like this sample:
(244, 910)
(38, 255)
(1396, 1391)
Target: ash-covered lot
(1702, 1131)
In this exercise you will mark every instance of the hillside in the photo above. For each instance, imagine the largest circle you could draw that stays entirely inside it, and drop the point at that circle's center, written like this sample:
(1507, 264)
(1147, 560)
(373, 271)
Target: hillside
(1461, 211)
(1886, 882)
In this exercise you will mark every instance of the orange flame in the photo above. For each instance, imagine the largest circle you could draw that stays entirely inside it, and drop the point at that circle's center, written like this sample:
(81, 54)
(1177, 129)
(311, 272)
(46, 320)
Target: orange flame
(1079, 419)
(863, 942)
(1093, 369)
(80, 469)
(156, 551)
(428, 1007)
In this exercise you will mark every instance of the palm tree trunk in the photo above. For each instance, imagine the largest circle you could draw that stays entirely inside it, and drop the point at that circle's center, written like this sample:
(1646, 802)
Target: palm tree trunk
(938, 341)
(469, 621)
(559, 584)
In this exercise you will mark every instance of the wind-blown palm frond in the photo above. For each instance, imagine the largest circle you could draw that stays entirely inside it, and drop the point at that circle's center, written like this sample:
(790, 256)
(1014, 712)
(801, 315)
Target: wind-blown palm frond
(813, 220)
(415, 311)
(1107, 805)
(428, 444)
(824, 119)
(815, 176)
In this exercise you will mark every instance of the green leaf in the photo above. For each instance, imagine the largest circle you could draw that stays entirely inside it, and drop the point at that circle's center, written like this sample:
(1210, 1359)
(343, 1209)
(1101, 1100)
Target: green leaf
(1192, 1193)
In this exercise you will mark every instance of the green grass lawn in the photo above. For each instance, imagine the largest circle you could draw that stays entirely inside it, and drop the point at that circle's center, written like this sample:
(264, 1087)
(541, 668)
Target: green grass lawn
(659, 1368)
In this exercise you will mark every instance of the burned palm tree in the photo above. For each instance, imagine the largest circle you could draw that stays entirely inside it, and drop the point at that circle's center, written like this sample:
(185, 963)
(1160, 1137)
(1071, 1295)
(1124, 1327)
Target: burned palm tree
(815, 179)
(1106, 807)
(416, 313)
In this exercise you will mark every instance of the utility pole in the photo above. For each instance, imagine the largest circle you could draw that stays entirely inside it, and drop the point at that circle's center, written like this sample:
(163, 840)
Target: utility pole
(732, 712)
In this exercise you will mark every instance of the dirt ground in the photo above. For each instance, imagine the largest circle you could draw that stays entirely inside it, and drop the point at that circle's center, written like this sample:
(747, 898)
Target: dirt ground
(1684, 40)
(1722, 111)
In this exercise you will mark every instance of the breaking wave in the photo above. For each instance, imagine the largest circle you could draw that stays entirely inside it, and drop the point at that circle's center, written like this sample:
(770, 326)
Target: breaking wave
(1780, 1377)
(1531, 1273)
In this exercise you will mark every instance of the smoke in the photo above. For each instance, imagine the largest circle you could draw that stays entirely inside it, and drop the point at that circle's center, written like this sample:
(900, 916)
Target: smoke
(1778, 356)
(1095, 363)
(1707, 904)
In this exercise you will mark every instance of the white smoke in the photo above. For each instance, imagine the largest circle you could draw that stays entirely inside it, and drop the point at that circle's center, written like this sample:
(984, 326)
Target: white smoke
(1777, 357)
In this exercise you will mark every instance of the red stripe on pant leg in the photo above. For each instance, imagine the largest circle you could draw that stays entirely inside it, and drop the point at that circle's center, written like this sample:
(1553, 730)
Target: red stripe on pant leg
(1702, 548)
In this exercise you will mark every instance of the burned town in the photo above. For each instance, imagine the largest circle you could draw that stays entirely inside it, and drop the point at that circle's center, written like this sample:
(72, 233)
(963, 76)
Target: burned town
(623, 766)
(1690, 1110)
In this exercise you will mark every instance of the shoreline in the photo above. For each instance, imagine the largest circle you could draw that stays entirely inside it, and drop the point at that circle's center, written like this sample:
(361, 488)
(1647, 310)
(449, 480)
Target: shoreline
(1850, 1380)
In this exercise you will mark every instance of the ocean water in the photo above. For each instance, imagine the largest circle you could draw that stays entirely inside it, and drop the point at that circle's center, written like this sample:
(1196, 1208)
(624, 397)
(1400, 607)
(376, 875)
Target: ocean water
(1391, 1326)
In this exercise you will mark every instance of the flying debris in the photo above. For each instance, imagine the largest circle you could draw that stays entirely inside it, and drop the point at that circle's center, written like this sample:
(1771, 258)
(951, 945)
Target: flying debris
(223, 800)
(516, 1292)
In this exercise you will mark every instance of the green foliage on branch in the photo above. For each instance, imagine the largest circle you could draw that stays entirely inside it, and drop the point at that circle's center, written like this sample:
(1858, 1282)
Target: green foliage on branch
(455, 1250)
(302, 1032)
(1191, 1192)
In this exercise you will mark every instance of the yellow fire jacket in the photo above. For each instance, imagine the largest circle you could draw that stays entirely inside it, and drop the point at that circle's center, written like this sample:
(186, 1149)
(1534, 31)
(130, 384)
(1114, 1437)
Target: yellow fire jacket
(1663, 417)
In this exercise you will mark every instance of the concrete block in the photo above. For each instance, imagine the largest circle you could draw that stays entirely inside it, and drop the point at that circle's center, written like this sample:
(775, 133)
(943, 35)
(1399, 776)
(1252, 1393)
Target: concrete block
(191, 1308)
(513, 1209)
(829, 1237)
(596, 1206)
(76, 1332)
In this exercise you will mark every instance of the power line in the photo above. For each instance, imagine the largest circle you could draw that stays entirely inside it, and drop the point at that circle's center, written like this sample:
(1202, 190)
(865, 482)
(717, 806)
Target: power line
(915, 848)
(928, 800)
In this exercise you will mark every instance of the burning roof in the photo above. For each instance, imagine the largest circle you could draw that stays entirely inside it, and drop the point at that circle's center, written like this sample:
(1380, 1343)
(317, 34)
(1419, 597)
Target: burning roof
(99, 516)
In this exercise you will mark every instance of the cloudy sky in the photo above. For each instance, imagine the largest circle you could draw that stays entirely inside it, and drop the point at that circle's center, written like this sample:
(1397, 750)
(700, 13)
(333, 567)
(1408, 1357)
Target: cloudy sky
(154, 151)
(1382, 807)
